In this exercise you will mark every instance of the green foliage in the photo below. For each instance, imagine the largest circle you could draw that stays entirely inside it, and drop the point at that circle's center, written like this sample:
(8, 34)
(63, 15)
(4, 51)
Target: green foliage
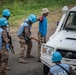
(22, 8)
(18, 7)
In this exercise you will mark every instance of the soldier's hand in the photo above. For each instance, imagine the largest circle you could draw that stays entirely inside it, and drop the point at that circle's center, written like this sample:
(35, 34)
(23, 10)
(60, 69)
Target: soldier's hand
(7, 40)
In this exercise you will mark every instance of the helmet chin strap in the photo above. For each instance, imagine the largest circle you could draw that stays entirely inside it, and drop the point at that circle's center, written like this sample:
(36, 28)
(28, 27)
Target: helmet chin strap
(29, 22)
(4, 27)
(57, 62)
(7, 17)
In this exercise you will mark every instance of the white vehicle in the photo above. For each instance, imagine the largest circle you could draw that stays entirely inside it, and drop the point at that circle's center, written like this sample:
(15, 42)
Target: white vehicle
(63, 40)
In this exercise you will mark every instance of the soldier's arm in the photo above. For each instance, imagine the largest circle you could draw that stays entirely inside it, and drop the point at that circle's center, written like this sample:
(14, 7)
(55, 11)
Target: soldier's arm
(27, 32)
(4, 36)
(40, 18)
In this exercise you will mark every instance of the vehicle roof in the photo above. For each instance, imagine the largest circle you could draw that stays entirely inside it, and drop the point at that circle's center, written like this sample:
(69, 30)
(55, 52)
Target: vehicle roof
(73, 9)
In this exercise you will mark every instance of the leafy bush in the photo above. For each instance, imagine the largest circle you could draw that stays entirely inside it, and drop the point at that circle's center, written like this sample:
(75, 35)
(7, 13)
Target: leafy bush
(22, 8)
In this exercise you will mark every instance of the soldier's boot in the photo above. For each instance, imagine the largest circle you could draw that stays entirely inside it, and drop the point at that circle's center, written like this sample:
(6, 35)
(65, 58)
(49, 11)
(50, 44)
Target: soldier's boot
(7, 68)
(29, 56)
(39, 48)
(2, 73)
(39, 60)
(21, 60)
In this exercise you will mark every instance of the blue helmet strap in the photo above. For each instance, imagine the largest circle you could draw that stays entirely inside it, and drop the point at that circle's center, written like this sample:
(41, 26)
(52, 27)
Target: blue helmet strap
(3, 27)
(63, 69)
(6, 16)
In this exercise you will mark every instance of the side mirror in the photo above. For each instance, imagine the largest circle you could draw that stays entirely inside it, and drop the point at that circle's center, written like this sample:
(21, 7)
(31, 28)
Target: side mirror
(65, 9)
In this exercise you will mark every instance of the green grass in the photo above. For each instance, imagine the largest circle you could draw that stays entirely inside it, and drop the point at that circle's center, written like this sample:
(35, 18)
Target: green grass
(21, 9)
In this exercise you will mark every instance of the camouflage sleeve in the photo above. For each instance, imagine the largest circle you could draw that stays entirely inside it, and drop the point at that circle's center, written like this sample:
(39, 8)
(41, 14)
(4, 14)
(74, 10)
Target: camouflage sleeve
(4, 36)
(72, 71)
(27, 32)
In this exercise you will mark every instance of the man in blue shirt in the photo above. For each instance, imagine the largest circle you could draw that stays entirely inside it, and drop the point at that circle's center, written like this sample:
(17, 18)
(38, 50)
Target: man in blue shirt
(42, 29)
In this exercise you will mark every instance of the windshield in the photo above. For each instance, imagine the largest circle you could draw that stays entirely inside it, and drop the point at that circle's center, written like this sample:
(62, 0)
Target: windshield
(71, 22)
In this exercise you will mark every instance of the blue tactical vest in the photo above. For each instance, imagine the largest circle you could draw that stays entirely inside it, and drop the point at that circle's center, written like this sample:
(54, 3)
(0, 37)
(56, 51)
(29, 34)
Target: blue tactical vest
(7, 44)
(1, 37)
(24, 24)
(43, 26)
(57, 70)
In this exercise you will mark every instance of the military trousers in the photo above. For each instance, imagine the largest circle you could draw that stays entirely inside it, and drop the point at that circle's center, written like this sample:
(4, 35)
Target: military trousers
(4, 54)
(25, 45)
(42, 40)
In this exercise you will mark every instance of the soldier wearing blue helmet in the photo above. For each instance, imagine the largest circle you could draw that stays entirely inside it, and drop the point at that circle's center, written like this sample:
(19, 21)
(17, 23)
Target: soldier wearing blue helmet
(6, 14)
(60, 68)
(3, 45)
(24, 35)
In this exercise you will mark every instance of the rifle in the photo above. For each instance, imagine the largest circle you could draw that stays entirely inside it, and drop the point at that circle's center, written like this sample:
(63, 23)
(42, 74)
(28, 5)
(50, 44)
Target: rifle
(11, 47)
(35, 39)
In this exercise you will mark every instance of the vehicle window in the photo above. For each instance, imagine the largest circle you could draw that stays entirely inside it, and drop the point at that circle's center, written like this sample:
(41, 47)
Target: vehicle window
(71, 21)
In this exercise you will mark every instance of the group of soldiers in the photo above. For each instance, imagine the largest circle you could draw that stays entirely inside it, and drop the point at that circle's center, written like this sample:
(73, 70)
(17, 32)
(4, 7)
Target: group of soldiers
(24, 35)
(5, 41)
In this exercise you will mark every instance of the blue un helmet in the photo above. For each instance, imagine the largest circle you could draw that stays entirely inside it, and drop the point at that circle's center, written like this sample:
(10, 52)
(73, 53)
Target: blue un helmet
(56, 56)
(32, 18)
(3, 22)
(6, 12)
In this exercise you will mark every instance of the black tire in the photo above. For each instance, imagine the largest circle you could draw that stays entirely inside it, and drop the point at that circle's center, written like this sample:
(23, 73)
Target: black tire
(45, 69)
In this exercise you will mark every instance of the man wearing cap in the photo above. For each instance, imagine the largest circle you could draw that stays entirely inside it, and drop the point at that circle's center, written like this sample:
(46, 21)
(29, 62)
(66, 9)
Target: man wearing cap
(24, 35)
(42, 29)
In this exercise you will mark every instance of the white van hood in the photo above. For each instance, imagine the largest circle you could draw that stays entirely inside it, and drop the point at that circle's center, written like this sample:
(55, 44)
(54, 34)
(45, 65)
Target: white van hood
(63, 39)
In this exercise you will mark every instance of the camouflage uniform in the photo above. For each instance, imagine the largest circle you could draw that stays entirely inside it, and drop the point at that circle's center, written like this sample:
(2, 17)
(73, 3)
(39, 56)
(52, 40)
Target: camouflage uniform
(24, 39)
(3, 54)
(7, 29)
(42, 40)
